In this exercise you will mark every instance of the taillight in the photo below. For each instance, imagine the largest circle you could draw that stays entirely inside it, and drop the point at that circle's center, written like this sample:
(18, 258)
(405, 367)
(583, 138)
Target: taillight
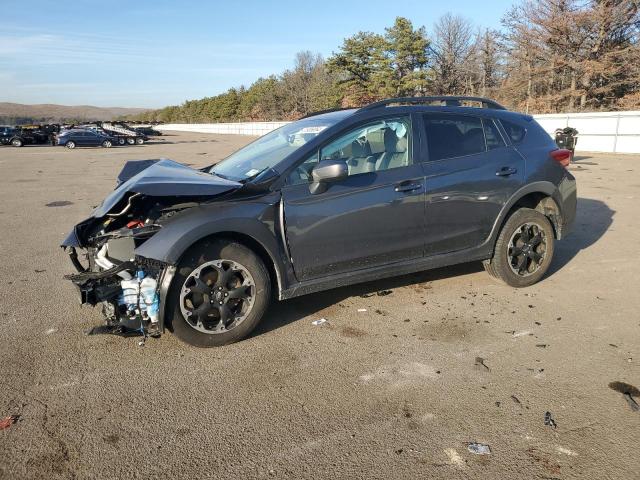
(562, 156)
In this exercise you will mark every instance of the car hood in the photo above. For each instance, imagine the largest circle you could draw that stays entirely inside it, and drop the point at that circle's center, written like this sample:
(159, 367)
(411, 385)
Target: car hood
(155, 178)
(163, 178)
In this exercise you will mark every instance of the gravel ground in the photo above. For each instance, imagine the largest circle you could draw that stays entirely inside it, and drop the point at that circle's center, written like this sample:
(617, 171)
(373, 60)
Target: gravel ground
(437, 360)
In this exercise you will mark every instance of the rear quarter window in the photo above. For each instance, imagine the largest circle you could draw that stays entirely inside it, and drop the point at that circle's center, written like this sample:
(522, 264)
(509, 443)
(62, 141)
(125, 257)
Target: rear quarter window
(515, 132)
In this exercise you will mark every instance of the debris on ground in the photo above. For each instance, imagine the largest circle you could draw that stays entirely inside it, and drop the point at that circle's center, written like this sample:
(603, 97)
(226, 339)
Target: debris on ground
(319, 322)
(549, 421)
(541, 345)
(6, 422)
(454, 458)
(521, 334)
(362, 310)
(366, 295)
(479, 448)
(384, 293)
(480, 362)
(628, 391)
(516, 399)
(59, 203)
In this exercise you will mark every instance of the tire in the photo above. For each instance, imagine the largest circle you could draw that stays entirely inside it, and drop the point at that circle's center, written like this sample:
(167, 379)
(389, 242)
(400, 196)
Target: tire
(71, 145)
(139, 141)
(131, 141)
(203, 261)
(529, 232)
(17, 142)
(121, 141)
(107, 144)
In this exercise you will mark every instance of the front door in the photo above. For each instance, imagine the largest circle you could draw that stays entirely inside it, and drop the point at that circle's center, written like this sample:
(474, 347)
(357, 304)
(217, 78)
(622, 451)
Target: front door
(373, 217)
(471, 173)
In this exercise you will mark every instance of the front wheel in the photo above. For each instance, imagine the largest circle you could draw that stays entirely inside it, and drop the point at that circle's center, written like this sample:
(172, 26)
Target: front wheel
(17, 142)
(71, 145)
(524, 249)
(219, 294)
(107, 144)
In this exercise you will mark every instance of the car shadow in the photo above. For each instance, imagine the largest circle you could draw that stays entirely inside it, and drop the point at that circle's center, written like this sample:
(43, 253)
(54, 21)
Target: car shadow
(288, 311)
(593, 220)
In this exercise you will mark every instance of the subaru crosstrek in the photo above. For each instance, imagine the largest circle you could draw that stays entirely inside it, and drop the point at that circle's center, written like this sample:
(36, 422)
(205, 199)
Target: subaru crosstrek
(333, 199)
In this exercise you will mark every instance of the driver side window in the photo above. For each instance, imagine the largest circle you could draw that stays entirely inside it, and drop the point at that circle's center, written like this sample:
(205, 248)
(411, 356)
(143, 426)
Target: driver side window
(377, 146)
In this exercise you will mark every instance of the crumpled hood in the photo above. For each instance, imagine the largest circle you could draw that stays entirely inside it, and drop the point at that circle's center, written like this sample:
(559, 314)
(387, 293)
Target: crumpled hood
(163, 178)
(156, 178)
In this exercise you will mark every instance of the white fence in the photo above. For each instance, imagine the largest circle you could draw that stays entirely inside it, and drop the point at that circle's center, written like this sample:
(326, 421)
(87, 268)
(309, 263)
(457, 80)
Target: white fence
(609, 132)
(241, 128)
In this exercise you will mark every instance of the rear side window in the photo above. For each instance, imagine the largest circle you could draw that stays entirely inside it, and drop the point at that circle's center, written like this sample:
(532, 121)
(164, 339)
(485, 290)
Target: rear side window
(516, 132)
(492, 135)
(450, 135)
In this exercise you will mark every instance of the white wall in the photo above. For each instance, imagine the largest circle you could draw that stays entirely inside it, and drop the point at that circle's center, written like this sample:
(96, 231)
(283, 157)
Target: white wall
(610, 132)
(240, 128)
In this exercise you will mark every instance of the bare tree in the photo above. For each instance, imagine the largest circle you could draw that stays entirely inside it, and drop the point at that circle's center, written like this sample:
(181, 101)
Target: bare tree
(452, 50)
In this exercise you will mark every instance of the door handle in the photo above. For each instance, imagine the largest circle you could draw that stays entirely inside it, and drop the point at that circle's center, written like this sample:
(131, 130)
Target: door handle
(408, 187)
(506, 171)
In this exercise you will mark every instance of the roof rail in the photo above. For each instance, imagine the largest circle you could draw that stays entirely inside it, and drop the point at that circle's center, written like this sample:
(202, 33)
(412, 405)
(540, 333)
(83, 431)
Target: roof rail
(329, 110)
(447, 100)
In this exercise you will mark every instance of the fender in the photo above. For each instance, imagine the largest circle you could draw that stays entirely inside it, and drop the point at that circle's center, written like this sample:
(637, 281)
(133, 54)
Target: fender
(256, 219)
(545, 187)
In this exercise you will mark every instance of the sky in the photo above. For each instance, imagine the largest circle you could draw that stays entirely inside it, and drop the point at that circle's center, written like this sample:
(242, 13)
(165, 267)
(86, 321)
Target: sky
(155, 53)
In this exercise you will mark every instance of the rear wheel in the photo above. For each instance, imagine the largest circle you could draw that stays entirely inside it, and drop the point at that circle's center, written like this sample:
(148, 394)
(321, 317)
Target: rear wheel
(17, 142)
(107, 144)
(139, 141)
(524, 249)
(121, 141)
(71, 145)
(219, 294)
(131, 141)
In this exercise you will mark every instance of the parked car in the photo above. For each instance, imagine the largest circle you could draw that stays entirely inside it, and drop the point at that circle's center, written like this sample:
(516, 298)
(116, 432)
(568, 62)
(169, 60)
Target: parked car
(85, 138)
(18, 137)
(330, 200)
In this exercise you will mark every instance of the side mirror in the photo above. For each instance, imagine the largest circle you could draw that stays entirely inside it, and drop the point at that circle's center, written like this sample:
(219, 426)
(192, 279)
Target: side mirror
(327, 171)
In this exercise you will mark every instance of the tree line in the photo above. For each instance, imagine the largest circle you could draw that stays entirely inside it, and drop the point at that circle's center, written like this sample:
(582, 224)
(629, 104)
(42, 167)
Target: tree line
(549, 56)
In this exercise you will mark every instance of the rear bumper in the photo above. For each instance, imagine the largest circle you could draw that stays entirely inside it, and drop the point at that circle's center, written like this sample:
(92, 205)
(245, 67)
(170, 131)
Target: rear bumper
(568, 192)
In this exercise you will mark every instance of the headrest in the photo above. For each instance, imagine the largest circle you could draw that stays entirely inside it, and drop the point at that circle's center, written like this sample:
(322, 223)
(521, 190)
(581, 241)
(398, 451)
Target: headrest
(357, 149)
(474, 132)
(383, 140)
(401, 146)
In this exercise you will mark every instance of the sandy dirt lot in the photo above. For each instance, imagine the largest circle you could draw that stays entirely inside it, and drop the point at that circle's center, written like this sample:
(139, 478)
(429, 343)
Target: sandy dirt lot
(446, 358)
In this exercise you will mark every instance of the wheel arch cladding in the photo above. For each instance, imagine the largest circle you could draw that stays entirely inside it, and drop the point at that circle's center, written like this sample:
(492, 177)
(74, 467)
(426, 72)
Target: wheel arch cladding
(541, 196)
(176, 237)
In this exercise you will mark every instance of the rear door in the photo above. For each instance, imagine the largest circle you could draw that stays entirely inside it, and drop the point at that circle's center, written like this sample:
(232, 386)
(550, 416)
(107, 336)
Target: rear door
(471, 172)
(92, 139)
(373, 217)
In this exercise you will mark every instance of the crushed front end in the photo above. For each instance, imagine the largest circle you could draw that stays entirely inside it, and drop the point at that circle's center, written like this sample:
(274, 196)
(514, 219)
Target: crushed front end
(130, 288)
(110, 274)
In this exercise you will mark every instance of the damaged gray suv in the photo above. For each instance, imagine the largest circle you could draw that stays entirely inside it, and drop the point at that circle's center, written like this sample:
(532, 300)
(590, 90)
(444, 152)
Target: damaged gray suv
(333, 199)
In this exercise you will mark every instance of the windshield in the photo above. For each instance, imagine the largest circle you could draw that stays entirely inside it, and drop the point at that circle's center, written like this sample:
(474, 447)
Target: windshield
(271, 149)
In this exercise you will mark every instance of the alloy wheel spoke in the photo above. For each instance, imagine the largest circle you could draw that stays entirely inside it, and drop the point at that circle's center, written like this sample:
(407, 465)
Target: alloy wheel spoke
(225, 314)
(522, 264)
(515, 251)
(240, 292)
(536, 240)
(535, 256)
(199, 287)
(223, 276)
(203, 310)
